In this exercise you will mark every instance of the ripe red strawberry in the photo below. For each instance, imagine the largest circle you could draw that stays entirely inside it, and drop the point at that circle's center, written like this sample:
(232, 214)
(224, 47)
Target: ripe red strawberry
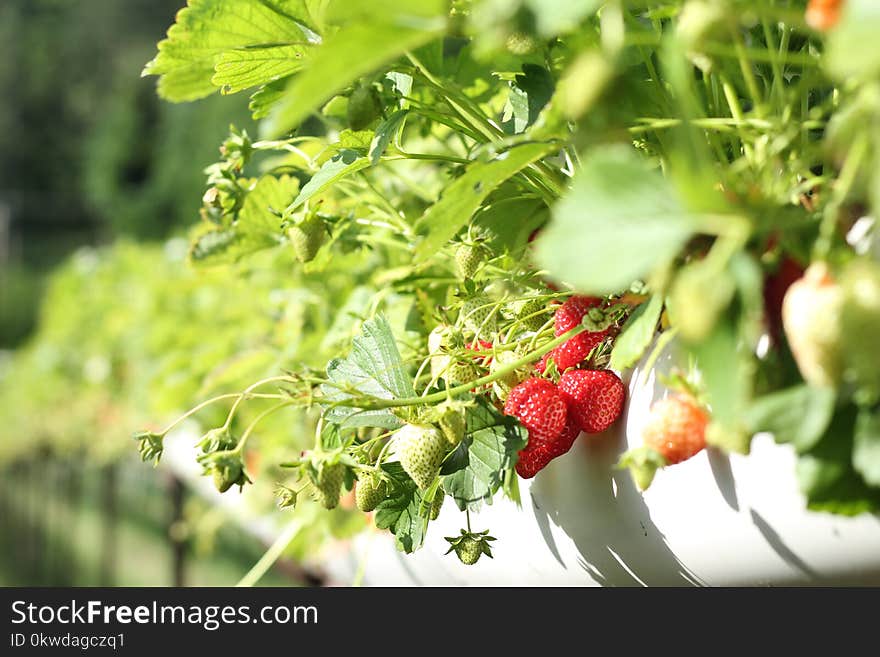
(481, 345)
(568, 316)
(574, 351)
(539, 452)
(570, 313)
(594, 397)
(537, 404)
(541, 365)
(676, 428)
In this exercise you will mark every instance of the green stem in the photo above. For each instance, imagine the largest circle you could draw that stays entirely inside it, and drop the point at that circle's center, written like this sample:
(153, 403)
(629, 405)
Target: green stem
(844, 184)
(735, 111)
(247, 432)
(214, 400)
(271, 555)
(245, 393)
(745, 66)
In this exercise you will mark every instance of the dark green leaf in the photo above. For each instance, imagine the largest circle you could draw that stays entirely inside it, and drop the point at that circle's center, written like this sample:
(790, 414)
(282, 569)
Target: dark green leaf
(400, 512)
(798, 415)
(637, 334)
(510, 221)
(620, 221)
(866, 448)
(456, 460)
(464, 196)
(531, 91)
(493, 441)
(826, 474)
(385, 134)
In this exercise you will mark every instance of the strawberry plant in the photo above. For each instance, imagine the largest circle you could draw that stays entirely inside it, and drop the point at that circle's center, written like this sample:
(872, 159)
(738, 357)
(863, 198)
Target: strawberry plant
(534, 197)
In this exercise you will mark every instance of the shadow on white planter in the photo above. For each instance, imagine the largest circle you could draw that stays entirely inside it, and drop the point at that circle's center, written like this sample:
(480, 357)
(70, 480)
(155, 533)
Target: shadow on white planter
(712, 520)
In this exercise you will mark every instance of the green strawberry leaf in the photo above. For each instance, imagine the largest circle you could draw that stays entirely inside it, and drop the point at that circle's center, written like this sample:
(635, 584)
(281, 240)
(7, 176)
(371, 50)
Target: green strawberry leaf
(466, 194)
(530, 92)
(457, 459)
(866, 447)
(799, 415)
(510, 221)
(723, 364)
(232, 44)
(619, 222)
(399, 513)
(826, 474)
(493, 441)
(255, 229)
(637, 334)
(374, 368)
(386, 131)
(237, 70)
(366, 42)
(348, 161)
(265, 97)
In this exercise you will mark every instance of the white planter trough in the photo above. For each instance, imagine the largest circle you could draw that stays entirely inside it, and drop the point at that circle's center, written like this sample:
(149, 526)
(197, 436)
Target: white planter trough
(714, 520)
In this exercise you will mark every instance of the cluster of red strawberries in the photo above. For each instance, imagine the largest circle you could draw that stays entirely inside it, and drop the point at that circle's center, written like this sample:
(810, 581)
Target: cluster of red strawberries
(587, 400)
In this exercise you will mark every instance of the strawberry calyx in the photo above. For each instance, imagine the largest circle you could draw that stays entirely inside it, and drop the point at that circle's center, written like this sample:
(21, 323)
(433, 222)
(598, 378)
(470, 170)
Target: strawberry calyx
(643, 463)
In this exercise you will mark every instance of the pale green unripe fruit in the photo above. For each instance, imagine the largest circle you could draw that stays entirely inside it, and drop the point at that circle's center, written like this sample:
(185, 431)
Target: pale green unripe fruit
(811, 317)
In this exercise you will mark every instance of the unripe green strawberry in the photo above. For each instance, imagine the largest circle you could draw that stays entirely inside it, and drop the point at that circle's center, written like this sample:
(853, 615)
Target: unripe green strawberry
(811, 317)
(453, 424)
(468, 258)
(437, 504)
(370, 490)
(461, 371)
(530, 314)
(364, 107)
(469, 551)
(477, 315)
(307, 236)
(420, 450)
(520, 43)
(329, 484)
(441, 341)
(470, 546)
(226, 477)
(860, 320)
(227, 472)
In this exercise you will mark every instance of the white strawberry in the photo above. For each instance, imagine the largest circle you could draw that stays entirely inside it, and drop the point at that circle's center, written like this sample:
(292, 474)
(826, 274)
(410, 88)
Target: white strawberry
(811, 317)
(420, 450)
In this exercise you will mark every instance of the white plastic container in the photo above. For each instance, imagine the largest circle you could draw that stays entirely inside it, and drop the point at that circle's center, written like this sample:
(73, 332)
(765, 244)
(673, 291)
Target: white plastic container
(714, 520)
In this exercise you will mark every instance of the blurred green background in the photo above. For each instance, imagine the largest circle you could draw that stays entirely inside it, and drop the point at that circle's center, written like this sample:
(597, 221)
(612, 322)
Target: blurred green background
(98, 181)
